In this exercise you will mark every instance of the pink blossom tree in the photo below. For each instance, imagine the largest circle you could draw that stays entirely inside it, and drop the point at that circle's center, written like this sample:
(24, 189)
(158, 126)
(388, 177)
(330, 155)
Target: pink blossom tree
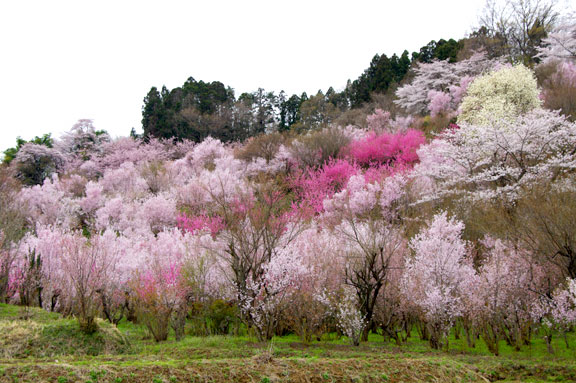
(504, 293)
(378, 121)
(160, 291)
(560, 44)
(82, 141)
(436, 275)
(259, 229)
(443, 77)
(559, 311)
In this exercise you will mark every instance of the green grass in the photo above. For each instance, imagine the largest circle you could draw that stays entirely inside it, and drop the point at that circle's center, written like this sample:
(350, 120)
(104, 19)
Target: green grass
(51, 349)
(35, 333)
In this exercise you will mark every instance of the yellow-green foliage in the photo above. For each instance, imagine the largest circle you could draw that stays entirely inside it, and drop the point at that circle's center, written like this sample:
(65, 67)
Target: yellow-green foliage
(502, 94)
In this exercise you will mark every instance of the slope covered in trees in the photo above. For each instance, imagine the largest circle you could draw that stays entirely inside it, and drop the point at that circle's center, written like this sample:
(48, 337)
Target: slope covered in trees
(451, 215)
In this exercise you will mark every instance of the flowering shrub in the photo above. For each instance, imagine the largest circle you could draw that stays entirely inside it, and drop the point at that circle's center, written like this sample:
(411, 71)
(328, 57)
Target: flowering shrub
(314, 186)
(388, 149)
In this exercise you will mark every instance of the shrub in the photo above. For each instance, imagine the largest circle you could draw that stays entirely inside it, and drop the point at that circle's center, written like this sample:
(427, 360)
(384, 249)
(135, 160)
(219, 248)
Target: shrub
(263, 146)
(319, 147)
(386, 149)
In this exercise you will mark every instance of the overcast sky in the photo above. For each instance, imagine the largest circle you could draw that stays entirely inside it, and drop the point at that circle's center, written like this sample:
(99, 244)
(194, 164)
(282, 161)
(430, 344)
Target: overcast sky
(66, 60)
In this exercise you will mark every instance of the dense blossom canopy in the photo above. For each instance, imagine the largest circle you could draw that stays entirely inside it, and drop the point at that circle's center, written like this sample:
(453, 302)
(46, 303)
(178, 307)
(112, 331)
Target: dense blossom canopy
(344, 228)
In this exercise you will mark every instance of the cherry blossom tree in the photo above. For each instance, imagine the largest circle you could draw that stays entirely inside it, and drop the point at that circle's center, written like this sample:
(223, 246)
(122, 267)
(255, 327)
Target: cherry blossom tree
(82, 141)
(159, 291)
(560, 44)
(378, 121)
(504, 293)
(259, 229)
(494, 160)
(343, 306)
(435, 277)
(559, 310)
(73, 270)
(437, 77)
(374, 248)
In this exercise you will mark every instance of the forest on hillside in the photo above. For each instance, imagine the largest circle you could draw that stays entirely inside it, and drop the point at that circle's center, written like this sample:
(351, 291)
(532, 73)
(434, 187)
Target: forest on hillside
(434, 195)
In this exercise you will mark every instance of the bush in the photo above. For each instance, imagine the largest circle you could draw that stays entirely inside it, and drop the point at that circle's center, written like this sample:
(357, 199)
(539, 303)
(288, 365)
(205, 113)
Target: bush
(214, 318)
(263, 146)
(386, 149)
(319, 147)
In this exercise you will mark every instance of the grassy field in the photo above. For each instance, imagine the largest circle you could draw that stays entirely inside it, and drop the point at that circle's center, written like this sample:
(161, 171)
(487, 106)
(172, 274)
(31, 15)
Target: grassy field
(47, 348)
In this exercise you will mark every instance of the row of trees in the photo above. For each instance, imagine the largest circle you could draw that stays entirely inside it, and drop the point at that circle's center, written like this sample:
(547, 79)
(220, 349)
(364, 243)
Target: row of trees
(511, 30)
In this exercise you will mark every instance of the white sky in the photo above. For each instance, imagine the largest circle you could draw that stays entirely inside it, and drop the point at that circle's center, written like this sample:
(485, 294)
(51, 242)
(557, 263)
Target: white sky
(65, 60)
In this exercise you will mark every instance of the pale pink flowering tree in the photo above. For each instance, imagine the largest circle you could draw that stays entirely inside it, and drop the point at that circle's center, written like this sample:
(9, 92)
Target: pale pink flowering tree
(112, 215)
(264, 299)
(205, 153)
(458, 91)
(560, 44)
(373, 248)
(126, 149)
(378, 121)
(320, 250)
(439, 76)
(259, 228)
(559, 310)
(343, 306)
(93, 199)
(125, 181)
(503, 294)
(72, 271)
(160, 283)
(131, 218)
(436, 275)
(157, 213)
(364, 214)
(7, 273)
(87, 267)
(50, 204)
(357, 198)
(82, 142)
(366, 195)
(439, 102)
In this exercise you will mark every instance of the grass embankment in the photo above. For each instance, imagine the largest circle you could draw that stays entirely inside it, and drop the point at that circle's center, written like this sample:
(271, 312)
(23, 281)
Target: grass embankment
(48, 348)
